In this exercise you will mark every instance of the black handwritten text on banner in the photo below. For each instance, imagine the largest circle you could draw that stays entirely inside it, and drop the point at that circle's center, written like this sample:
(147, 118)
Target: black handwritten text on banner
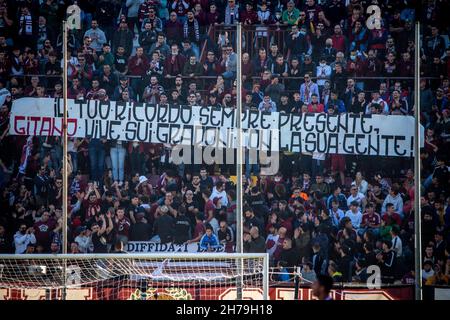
(343, 134)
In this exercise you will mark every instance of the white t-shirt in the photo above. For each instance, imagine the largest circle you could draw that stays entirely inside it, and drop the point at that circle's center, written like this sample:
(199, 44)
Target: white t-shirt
(272, 239)
(358, 198)
(356, 218)
(221, 194)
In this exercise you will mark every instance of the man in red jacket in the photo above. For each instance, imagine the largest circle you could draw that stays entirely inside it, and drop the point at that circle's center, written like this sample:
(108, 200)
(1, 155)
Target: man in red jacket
(248, 16)
(137, 66)
(43, 230)
(173, 29)
(174, 63)
(339, 40)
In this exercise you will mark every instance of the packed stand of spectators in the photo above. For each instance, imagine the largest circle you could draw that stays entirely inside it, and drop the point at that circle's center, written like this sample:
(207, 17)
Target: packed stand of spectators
(327, 213)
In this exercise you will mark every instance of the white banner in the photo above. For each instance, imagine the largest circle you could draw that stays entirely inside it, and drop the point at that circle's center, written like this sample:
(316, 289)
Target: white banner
(207, 126)
(154, 247)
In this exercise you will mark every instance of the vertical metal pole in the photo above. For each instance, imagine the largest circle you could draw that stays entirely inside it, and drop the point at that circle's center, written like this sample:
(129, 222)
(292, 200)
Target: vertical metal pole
(266, 278)
(417, 181)
(296, 282)
(239, 151)
(65, 160)
(239, 182)
(64, 140)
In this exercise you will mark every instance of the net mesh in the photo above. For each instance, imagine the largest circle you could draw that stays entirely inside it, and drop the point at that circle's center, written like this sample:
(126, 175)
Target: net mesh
(143, 278)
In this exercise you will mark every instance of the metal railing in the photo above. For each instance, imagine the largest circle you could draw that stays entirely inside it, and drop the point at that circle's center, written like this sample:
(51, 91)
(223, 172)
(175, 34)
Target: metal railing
(255, 36)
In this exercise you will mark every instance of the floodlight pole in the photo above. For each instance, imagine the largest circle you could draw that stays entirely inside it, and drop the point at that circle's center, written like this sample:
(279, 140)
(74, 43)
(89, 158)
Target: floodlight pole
(417, 181)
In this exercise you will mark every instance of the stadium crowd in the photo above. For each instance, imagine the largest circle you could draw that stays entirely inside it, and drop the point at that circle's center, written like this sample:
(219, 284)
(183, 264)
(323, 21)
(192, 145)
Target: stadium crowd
(327, 213)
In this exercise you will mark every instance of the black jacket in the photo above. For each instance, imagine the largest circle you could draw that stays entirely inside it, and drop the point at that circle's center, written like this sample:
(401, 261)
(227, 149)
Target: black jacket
(257, 245)
(140, 232)
(289, 258)
(182, 229)
(163, 227)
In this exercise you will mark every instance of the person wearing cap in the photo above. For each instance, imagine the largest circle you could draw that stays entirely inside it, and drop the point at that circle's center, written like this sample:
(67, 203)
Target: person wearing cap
(123, 37)
(123, 86)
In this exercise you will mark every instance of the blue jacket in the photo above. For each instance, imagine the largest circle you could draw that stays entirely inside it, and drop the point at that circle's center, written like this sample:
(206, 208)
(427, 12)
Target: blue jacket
(206, 242)
(339, 103)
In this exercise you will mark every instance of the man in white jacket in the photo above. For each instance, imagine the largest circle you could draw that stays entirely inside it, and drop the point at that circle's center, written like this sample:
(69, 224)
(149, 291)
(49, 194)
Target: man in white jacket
(23, 237)
(219, 192)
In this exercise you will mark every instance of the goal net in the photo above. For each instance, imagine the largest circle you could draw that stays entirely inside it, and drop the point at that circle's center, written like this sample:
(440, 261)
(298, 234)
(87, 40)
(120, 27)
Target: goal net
(206, 276)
